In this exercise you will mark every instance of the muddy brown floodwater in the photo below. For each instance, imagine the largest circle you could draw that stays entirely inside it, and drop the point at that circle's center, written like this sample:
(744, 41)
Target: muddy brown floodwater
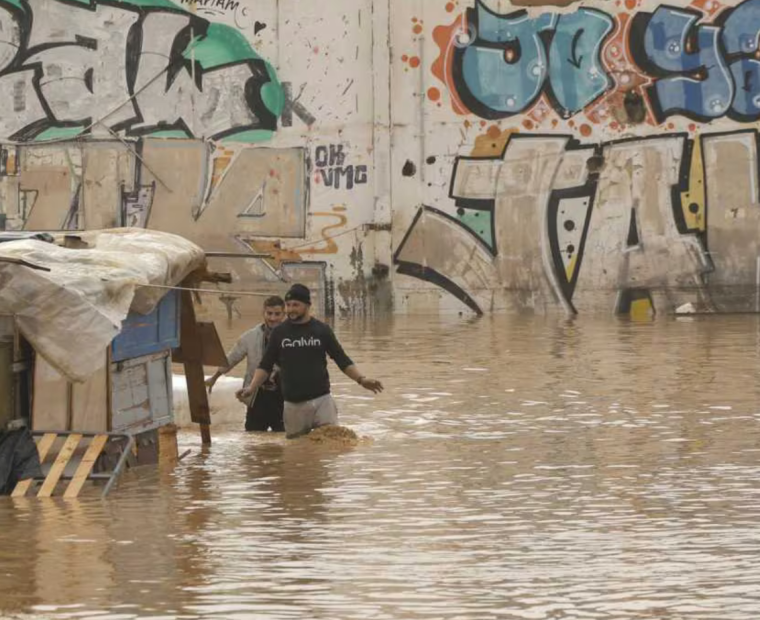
(516, 468)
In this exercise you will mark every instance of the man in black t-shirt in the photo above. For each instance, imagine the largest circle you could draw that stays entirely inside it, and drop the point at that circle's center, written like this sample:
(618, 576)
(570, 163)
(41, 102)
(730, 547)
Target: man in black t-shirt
(299, 347)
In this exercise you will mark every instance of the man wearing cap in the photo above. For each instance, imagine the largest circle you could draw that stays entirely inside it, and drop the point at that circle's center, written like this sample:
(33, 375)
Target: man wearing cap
(299, 347)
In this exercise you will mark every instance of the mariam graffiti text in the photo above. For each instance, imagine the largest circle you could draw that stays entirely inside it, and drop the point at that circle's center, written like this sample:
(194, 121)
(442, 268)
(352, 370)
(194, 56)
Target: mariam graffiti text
(499, 65)
(142, 66)
(217, 5)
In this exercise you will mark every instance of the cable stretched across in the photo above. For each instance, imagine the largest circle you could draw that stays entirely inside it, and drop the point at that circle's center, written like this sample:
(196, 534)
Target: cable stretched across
(99, 121)
(207, 290)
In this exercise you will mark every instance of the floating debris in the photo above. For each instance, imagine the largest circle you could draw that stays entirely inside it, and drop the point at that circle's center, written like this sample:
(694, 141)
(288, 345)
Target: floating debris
(334, 434)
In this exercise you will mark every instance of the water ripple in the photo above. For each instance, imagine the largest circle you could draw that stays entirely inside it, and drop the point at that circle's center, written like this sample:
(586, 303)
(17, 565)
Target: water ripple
(516, 468)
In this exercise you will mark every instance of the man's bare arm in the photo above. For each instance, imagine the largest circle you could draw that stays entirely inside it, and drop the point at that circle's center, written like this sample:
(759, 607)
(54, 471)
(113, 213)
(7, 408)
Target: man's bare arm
(234, 357)
(373, 385)
(257, 381)
(211, 381)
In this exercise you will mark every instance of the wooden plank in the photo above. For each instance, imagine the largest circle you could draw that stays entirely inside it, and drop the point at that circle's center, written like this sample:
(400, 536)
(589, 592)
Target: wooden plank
(168, 452)
(59, 466)
(89, 402)
(213, 351)
(85, 467)
(192, 354)
(51, 398)
(22, 488)
(43, 447)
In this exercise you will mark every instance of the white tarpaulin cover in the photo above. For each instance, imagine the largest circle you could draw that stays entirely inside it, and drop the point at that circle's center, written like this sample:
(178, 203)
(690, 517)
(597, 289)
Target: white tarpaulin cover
(71, 313)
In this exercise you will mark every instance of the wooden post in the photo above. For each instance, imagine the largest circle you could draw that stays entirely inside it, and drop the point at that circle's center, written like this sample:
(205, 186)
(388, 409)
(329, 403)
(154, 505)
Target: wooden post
(192, 356)
(168, 452)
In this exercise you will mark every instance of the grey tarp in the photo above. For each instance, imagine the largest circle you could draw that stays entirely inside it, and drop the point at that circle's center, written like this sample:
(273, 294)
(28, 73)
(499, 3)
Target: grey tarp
(19, 459)
(71, 306)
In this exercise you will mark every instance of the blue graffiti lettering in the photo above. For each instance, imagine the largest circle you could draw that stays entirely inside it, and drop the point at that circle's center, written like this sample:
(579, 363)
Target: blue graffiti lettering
(740, 40)
(576, 74)
(702, 87)
(504, 65)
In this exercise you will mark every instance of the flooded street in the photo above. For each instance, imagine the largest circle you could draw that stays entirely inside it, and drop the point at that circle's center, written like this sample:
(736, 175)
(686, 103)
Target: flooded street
(515, 468)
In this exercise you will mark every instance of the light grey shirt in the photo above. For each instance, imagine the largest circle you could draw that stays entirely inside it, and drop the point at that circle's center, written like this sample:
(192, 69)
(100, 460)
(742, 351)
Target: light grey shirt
(250, 346)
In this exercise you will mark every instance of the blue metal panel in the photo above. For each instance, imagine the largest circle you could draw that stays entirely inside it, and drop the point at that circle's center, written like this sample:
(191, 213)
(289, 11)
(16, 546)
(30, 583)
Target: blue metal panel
(145, 334)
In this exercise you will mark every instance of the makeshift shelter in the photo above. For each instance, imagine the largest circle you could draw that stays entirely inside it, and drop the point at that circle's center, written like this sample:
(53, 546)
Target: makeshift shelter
(88, 327)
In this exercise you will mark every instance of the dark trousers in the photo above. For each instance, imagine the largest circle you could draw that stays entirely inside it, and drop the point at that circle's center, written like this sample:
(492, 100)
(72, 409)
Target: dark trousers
(266, 412)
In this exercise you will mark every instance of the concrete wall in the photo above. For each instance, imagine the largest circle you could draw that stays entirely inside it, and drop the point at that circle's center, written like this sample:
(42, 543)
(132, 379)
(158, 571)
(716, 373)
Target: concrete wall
(420, 155)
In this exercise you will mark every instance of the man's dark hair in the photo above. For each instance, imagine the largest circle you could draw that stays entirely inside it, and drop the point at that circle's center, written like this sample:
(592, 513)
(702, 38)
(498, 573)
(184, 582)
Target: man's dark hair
(273, 301)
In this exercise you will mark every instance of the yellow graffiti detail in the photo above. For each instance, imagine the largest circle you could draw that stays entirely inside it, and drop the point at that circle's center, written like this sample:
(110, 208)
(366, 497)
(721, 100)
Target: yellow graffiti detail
(570, 269)
(280, 255)
(330, 246)
(695, 218)
(641, 310)
(492, 143)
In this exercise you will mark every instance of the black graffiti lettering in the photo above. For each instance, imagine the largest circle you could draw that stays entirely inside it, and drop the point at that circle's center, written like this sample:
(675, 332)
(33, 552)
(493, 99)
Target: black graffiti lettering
(330, 161)
(294, 106)
(337, 156)
(63, 66)
(352, 175)
(347, 173)
(321, 156)
(327, 176)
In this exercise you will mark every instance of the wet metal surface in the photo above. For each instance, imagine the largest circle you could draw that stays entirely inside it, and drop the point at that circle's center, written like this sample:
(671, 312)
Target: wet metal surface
(517, 469)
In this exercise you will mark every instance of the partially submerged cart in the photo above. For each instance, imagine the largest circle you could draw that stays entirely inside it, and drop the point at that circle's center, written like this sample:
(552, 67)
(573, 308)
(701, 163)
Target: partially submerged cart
(90, 325)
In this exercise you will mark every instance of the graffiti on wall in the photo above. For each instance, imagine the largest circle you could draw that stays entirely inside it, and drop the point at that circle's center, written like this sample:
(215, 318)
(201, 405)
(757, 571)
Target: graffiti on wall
(702, 63)
(213, 6)
(231, 198)
(139, 67)
(219, 197)
(551, 222)
(332, 171)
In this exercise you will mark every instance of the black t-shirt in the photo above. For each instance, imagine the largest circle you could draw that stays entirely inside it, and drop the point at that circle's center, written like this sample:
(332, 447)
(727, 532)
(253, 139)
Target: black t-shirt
(301, 350)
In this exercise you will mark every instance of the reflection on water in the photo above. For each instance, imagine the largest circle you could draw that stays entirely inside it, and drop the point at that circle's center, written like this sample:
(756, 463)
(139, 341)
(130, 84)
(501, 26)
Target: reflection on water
(520, 468)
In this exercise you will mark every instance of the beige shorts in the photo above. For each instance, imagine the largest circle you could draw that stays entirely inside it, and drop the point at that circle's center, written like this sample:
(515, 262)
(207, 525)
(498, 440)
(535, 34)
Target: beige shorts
(300, 418)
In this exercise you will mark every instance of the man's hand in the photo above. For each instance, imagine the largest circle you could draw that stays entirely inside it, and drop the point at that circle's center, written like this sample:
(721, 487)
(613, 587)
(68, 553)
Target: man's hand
(243, 393)
(210, 383)
(373, 385)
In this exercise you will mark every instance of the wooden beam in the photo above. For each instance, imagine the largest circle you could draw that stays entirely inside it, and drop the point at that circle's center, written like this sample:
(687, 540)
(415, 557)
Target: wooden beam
(192, 356)
(211, 345)
(217, 276)
(238, 255)
(85, 466)
(202, 274)
(56, 471)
